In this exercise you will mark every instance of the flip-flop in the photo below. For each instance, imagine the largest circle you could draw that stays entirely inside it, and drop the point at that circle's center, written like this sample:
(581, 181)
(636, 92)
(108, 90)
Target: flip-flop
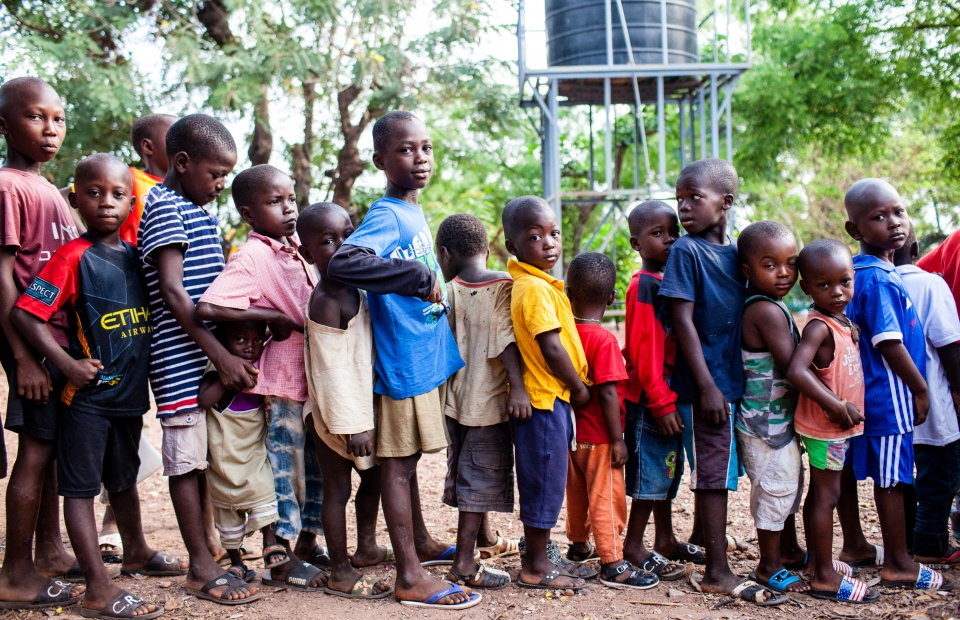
(474, 599)
(579, 556)
(365, 587)
(232, 584)
(486, 578)
(75, 575)
(735, 544)
(842, 568)
(657, 564)
(547, 581)
(240, 571)
(851, 591)
(273, 550)
(687, 552)
(504, 547)
(123, 606)
(160, 565)
(56, 594)
(246, 555)
(876, 561)
(752, 592)
(114, 555)
(298, 579)
(320, 557)
(444, 559)
(928, 579)
(778, 582)
(389, 557)
(636, 579)
(951, 559)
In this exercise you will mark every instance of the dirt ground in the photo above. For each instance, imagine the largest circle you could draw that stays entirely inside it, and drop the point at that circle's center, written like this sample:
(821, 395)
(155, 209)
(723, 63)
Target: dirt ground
(676, 600)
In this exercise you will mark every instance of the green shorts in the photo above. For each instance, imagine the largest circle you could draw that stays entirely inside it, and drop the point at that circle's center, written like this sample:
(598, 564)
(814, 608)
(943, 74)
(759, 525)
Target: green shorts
(827, 455)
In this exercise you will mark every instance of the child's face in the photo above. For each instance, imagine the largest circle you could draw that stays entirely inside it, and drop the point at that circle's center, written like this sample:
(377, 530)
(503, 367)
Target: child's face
(319, 245)
(274, 209)
(34, 124)
(537, 242)
(244, 340)
(407, 158)
(656, 236)
(700, 205)
(772, 267)
(156, 147)
(830, 283)
(882, 224)
(202, 180)
(104, 202)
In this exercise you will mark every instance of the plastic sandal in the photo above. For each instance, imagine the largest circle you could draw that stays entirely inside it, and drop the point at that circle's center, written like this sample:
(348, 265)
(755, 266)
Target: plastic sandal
(271, 551)
(752, 592)
(113, 555)
(503, 548)
(578, 556)
(240, 571)
(686, 552)
(160, 565)
(298, 579)
(735, 544)
(124, 606)
(473, 599)
(876, 561)
(637, 579)
(75, 575)
(851, 591)
(445, 558)
(56, 594)
(657, 564)
(232, 584)
(547, 581)
(389, 557)
(928, 579)
(779, 581)
(365, 587)
(485, 578)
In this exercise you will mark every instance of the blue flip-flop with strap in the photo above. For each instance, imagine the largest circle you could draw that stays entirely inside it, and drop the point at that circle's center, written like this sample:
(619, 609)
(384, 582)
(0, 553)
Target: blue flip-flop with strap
(473, 599)
(778, 582)
(445, 558)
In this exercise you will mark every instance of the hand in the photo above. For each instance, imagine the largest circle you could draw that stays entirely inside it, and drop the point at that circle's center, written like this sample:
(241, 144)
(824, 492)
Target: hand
(360, 444)
(714, 406)
(580, 397)
(618, 454)
(843, 414)
(81, 372)
(436, 295)
(854, 415)
(921, 407)
(518, 405)
(33, 381)
(236, 373)
(670, 424)
(283, 326)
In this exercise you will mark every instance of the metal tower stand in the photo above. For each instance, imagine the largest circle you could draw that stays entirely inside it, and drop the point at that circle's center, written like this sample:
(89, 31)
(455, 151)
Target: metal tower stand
(702, 91)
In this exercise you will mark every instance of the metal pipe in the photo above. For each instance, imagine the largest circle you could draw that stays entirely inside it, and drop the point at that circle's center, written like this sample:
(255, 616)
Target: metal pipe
(521, 48)
(728, 29)
(626, 32)
(729, 127)
(683, 135)
(714, 118)
(636, 150)
(693, 136)
(639, 71)
(551, 163)
(716, 30)
(608, 21)
(592, 176)
(638, 105)
(663, 32)
(746, 19)
(661, 130)
(701, 104)
(608, 138)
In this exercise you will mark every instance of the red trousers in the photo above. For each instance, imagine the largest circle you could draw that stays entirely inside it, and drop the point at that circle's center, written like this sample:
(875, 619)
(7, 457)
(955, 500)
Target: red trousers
(596, 500)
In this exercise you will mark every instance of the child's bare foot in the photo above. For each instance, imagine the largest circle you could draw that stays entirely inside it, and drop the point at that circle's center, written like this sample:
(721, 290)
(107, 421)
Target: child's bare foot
(27, 588)
(780, 580)
(727, 584)
(101, 600)
(54, 563)
(427, 586)
(372, 556)
(430, 549)
(197, 579)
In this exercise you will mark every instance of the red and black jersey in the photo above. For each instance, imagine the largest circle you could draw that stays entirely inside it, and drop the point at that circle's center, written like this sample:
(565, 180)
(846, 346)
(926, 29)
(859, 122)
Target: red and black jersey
(651, 346)
(105, 289)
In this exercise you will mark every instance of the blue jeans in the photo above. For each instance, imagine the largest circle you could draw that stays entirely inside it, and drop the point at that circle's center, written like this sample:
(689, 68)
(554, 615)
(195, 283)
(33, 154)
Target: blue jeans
(937, 482)
(296, 472)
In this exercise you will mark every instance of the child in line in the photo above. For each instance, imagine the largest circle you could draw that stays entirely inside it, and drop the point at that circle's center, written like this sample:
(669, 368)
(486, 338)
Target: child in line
(181, 255)
(703, 280)
(654, 431)
(391, 256)
(826, 369)
(338, 353)
(34, 222)
(596, 502)
(481, 398)
(554, 371)
(895, 391)
(764, 425)
(936, 442)
(98, 278)
(239, 477)
(267, 280)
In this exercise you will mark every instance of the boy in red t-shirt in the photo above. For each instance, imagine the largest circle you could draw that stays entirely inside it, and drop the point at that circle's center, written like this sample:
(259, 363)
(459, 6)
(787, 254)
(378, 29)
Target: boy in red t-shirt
(595, 491)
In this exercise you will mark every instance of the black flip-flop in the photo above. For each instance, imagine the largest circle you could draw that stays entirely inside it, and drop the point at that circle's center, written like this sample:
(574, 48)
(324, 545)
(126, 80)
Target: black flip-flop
(232, 584)
(580, 556)
(547, 581)
(56, 594)
(160, 565)
(687, 552)
(124, 606)
(240, 571)
(298, 579)
(657, 564)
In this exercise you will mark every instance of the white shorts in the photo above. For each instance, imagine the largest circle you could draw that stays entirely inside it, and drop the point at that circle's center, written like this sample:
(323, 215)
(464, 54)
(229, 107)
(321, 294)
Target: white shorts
(184, 443)
(776, 480)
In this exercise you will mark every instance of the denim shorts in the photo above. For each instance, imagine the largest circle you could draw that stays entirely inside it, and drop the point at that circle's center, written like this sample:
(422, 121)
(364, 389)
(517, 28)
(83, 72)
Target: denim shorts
(654, 461)
(479, 468)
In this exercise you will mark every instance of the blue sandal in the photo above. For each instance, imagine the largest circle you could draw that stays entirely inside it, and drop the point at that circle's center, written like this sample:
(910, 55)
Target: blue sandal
(779, 581)
(432, 603)
(445, 558)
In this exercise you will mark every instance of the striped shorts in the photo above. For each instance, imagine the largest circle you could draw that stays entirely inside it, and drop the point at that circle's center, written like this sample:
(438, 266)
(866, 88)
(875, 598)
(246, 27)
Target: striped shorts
(887, 459)
(234, 524)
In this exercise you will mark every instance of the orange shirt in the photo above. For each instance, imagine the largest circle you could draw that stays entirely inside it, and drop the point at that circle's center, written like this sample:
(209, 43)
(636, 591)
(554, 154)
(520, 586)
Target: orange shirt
(142, 184)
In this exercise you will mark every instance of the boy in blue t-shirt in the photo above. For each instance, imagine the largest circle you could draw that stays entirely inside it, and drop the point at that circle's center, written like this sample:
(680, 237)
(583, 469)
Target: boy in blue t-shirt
(893, 355)
(707, 288)
(391, 257)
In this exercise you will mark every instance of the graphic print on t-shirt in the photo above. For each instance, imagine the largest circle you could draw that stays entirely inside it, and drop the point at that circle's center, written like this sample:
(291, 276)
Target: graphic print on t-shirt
(420, 249)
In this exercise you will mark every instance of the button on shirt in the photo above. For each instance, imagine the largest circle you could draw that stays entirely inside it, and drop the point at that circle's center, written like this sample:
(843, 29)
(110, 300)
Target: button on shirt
(265, 273)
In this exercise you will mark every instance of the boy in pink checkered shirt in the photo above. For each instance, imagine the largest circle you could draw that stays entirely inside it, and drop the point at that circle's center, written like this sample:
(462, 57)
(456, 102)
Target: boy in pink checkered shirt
(267, 280)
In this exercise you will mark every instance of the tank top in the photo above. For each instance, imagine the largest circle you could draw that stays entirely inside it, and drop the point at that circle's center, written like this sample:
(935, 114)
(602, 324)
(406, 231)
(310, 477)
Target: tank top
(769, 400)
(844, 377)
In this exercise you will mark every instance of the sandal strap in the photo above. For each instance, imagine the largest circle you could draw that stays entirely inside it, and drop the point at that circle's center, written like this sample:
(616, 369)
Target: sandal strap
(929, 579)
(365, 585)
(454, 589)
(550, 577)
(756, 596)
(228, 580)
(852, 590)
(56, 591)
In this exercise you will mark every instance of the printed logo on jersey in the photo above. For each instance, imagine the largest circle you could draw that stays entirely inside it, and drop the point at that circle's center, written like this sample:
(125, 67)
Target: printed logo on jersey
(420, 249)
(133, 321)
(43, 291)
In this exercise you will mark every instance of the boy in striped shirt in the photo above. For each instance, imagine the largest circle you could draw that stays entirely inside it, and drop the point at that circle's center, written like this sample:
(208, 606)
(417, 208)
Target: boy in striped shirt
(181, 255)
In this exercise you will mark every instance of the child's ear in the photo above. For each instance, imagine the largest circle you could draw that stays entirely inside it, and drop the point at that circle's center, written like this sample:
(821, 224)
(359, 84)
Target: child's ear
(511, 246)
(612, 298)
(180, 161)
(72, 199)
(378, 160)
(3, 127)
(914, 251)
(246, 215)
(728, 202)
(305, 254)
(853, 230)
(146, 147)
(745, 270)
(635, 244)
(805, 288)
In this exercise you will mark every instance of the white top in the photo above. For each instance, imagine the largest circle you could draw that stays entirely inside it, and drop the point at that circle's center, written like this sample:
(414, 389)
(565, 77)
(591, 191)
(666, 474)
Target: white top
(938, 312)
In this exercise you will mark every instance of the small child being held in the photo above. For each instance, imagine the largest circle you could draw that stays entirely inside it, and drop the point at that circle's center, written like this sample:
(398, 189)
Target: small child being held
(239, 476)
(481, 398)
(595, 471)
(826, 370)
(339, 415)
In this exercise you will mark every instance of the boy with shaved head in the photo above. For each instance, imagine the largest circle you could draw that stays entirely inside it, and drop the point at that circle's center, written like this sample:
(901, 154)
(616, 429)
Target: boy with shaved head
(34, 223)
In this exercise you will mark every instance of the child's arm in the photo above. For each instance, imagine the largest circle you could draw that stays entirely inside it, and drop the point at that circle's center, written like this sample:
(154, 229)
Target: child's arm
(771, 325)
(610, 406)
(211, 391)
(519, 403)
(79, 372)
(816, 335)
(648, 351)
(361, 268)
(235, 373)
(950, 361)
(33, 380)
(558, 360)
(713, 404)
(900, 362)
(281, 325)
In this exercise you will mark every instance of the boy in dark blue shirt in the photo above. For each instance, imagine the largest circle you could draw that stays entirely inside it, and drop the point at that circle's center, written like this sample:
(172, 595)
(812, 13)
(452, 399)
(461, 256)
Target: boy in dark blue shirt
(893, 355)
(707, 288)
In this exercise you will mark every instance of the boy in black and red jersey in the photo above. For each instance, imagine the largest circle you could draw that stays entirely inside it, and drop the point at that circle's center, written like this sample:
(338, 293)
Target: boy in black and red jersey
(98, 278)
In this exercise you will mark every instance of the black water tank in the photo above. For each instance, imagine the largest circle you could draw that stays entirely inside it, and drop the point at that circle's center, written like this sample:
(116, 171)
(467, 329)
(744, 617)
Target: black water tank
(576, 32)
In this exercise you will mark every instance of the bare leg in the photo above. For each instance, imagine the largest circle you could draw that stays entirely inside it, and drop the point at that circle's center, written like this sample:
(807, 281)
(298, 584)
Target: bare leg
(486, 536)
(209, 527)
(367, 506)
(634, 550)
(822, 498)
(51, 557)
(855, 545)
(791, 552)
(718, 576)
(468, 527)
(537, 565)
(770, 564)
(897, 565)
(427, 546)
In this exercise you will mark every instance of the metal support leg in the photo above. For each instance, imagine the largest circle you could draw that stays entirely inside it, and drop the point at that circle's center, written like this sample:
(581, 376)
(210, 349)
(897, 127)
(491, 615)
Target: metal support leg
(714, 118)
(661, 131)
(551, 161)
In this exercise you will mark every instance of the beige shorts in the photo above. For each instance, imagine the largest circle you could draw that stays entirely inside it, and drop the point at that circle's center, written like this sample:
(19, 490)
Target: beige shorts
(184, 443)
(338, 443)
(776, 480)
(235, 524)
(411, 425)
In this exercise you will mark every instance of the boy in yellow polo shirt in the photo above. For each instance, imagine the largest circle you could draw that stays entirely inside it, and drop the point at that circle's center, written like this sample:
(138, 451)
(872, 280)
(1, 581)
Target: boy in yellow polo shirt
(554, 370)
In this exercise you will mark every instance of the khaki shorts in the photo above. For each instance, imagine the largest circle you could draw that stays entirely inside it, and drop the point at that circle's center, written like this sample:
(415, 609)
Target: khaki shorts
(184, 443)
(417, 424)
(776, 480)
(338, 443)
(235, 524)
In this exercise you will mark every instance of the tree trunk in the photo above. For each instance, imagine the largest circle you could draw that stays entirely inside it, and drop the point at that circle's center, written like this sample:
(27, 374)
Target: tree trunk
(303, 153)
(261, 143)
(349, 163)
(213, 15)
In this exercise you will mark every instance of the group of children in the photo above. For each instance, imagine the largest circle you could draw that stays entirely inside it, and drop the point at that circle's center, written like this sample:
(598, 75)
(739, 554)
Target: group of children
(321, 348)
